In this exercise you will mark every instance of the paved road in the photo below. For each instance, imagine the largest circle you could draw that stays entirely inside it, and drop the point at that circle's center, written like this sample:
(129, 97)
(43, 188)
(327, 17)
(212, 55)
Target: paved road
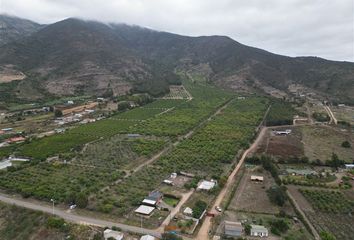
(203, 233)
(76, 218)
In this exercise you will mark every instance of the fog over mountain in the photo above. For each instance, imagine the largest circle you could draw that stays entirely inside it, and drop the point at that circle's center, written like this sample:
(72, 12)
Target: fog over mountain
(294, 27)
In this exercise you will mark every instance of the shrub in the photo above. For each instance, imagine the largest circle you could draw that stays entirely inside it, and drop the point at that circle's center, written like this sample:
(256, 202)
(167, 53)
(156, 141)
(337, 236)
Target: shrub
(279, 226)
(346, 144)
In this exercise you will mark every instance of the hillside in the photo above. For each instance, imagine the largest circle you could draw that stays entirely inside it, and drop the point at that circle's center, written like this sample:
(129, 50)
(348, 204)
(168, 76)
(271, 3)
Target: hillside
(86, 57)
(13, 28)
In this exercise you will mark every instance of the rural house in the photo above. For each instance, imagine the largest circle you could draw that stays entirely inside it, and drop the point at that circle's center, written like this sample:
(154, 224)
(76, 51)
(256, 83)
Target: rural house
(144, 210)
(259, 231)
(206, 185)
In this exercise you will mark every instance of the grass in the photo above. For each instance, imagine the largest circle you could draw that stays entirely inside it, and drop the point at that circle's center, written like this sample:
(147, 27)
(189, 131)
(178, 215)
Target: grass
(20, 223)
(320, 142)
(171, 201)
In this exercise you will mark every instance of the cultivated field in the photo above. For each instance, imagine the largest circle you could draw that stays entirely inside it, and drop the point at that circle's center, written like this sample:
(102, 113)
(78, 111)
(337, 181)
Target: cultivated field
(177, 92)
(328, 210)
(282, 146)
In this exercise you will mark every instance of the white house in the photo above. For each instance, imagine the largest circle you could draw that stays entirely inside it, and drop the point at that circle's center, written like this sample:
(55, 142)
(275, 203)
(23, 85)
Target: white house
(144, 210)
(109, 233)
(206, 185)
(259, 231)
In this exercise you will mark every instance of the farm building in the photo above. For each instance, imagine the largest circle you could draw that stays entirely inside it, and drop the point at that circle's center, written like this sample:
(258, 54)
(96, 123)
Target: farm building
(109, 234)
(282, 132)
(147, 237)
(255, 178)
(259, 231)
(144, 210)
(349, 166)
(233, 229)
(206, 185)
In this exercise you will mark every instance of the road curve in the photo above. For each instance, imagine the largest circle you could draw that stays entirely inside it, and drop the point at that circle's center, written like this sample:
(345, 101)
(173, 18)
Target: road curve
(71, 217)
(203, 233)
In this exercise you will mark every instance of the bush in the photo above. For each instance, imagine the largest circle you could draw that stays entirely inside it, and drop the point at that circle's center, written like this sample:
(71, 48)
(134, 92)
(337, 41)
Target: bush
(346, 144)
(327, 236)
(81, 200)
(279, 226)
(55, 222)
(199, 208)
(58, 113)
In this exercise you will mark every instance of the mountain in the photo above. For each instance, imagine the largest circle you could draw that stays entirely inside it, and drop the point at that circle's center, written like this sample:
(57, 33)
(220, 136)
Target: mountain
(86, 57)
(14, 28)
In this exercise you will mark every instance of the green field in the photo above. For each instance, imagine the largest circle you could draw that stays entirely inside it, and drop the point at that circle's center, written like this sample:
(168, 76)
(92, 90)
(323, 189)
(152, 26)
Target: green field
(119, 152)
(58, 181)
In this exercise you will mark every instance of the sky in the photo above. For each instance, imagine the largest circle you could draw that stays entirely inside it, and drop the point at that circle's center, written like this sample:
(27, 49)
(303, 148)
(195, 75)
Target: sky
(323, 28)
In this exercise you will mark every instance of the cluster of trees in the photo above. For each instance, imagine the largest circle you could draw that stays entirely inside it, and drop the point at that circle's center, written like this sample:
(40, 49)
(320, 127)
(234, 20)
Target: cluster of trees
(321, 116)
(198, 208)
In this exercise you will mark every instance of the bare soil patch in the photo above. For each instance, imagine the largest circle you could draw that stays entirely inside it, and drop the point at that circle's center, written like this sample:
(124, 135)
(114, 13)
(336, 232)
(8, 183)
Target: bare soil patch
(252, 196)
(283, 146)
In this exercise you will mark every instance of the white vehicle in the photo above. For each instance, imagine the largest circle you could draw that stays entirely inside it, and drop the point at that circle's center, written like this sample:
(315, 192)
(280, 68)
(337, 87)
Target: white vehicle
(218, 209)
(72, 206)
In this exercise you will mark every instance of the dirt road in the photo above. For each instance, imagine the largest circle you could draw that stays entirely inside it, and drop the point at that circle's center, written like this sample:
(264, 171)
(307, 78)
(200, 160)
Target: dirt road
(331, 115)
(167, 220)
(203, 233)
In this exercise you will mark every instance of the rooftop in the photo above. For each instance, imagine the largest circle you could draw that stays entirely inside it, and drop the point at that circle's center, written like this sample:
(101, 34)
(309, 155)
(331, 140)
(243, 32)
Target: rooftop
(145, 210)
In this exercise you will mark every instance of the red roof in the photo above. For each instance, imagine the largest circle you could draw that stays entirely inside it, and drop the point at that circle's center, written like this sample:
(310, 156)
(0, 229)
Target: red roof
(16, 139)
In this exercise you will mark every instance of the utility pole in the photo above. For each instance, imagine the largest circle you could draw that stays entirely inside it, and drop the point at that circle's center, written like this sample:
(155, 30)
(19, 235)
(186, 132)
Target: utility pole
(52, 200)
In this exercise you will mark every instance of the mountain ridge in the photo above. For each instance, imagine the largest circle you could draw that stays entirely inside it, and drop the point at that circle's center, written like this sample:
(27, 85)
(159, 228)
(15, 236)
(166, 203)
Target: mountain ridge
(75, 55)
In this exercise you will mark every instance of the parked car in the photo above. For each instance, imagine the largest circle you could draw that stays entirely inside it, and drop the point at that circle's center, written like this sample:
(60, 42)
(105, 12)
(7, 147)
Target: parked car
(218, 209)
(72, 206)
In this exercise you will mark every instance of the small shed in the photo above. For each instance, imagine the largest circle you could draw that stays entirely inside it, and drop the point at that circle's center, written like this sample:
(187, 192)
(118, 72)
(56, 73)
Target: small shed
(144, 210)
(108, 233)
(259, 231)
(233, 229)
